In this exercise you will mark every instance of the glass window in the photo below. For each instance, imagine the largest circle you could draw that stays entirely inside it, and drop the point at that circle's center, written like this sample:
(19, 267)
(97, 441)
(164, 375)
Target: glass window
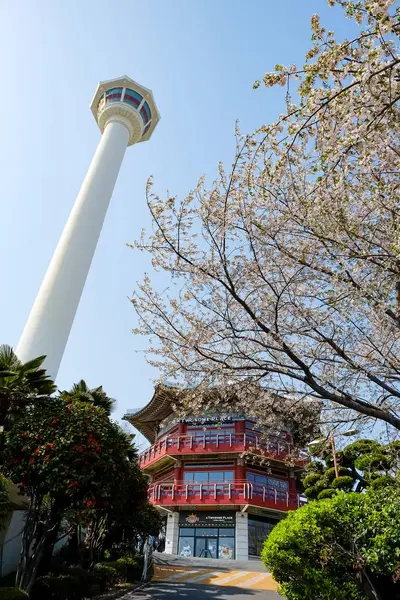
(113, 95)
(227, 548)
(186, 546)
(206, 531)
(187, 531)
(133, 98)
(258, 533)
(261, 480)
(221, 476)
(145, 113)
(208, 542)
(226, 531)
(117, 90)
(201, 547)
(208, 476)
(281, 485)
(147, 127)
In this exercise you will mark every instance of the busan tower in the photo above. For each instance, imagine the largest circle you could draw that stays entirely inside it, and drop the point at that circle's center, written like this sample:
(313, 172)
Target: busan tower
(126, 114)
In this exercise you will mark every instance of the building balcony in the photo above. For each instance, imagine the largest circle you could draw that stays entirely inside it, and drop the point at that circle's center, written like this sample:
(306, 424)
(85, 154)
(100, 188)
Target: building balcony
(176, 446)
(235, 493)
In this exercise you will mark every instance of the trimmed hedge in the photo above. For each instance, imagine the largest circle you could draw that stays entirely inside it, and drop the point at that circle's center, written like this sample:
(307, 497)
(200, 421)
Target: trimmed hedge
(383, 481)
(311, 479)
(107, 574)
(10, 593)
(128, 569)
(123, 570)
(78, 583)
(326, 494)
(343, 483)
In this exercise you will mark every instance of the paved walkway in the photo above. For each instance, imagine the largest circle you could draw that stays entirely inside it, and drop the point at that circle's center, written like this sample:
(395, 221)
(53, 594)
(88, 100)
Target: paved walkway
(193, 591)
(197, 579)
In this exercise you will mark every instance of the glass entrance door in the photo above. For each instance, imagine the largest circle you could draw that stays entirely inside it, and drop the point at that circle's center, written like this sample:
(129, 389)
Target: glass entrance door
(206, 547)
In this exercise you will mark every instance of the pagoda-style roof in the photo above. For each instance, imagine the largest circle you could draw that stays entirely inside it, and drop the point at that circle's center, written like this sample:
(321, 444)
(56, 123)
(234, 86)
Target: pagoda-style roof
(147, 419)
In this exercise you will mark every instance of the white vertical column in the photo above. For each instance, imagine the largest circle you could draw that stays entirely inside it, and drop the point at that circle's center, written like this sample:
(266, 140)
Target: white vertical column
(172, 533)
(242, 536)
(50, 321)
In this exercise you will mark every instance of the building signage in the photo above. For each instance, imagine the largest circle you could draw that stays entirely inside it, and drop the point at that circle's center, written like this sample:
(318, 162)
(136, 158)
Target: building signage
(205, 420)
(207, 519)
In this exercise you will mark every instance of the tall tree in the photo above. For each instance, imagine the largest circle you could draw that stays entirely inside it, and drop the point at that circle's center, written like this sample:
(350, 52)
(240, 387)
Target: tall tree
(20, 383)
(66, 456)
(96, 396)
(286, 270)
(124, 517)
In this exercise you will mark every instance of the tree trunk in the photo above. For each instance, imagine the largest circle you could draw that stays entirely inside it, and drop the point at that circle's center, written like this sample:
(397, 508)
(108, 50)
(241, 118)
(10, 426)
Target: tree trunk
(369, 587)
(36, 542)
(43, 569)
(95, 535)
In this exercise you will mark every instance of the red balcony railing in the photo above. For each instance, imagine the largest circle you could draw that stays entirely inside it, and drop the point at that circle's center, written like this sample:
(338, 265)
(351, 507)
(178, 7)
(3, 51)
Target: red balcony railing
(216, 442)
(235, 492)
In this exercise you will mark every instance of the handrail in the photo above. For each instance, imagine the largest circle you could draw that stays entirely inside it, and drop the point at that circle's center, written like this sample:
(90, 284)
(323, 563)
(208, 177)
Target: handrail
(271, 445)
(234, 491)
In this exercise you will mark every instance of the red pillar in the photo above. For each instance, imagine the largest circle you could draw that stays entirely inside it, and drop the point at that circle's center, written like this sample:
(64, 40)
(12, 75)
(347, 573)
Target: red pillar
(240, 469)
(240, 426)
(178, 472)
(292, 483)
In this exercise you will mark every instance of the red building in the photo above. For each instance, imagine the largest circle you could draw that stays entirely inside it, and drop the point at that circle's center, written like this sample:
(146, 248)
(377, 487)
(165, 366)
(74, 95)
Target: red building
(221, 487)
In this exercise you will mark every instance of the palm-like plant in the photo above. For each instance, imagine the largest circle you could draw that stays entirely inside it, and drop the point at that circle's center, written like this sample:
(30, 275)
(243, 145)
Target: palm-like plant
(96, 396)
(20, 383)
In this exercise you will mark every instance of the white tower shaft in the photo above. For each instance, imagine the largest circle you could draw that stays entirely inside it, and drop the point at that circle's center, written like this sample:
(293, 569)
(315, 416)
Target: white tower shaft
(50, 321)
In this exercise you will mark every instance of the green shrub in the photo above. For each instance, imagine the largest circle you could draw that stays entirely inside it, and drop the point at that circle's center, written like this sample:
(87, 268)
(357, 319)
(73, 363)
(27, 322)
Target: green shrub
(343, 483)
(373, 461)
(330, 474)
(311, 493)
(383, 481)
(129, 569)
(52, 587)
(360, 447)
(10, 593)
(122, 549)
(326, 494)
(107, 574)
(123, 570)
(305, 552)
(311, 479)
(327, 549)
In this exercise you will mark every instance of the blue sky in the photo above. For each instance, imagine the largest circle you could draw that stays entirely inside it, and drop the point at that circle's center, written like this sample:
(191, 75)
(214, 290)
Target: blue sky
(200, 58)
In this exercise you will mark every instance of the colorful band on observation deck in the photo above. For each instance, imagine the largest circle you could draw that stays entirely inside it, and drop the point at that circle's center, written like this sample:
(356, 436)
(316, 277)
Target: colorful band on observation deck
(130, 97)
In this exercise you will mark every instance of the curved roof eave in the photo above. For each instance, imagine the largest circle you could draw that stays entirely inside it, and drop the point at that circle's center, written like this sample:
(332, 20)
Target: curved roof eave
(147, 419)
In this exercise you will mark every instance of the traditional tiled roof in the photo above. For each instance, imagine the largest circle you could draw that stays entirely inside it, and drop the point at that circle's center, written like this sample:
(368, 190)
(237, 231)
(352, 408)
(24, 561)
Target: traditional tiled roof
(147, 419)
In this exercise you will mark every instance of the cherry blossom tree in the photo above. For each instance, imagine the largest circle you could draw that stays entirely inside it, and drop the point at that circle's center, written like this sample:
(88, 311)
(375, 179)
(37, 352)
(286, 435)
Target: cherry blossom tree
(285, 271)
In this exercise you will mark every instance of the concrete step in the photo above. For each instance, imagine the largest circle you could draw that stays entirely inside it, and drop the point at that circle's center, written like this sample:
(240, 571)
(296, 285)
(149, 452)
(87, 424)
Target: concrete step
(218, 564)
